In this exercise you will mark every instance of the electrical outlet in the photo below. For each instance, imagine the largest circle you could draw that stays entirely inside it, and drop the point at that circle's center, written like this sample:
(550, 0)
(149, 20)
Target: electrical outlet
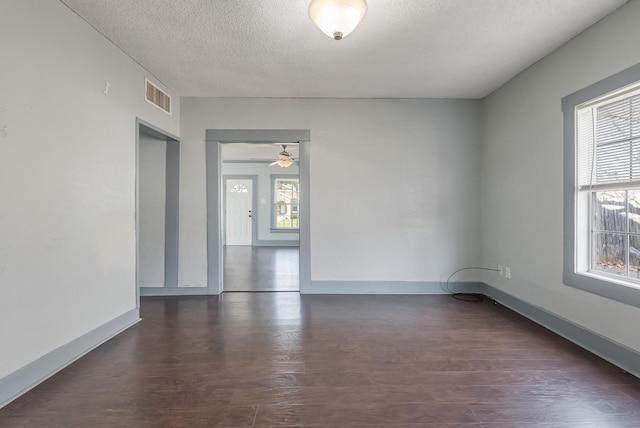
(500, 270)
(507, 272)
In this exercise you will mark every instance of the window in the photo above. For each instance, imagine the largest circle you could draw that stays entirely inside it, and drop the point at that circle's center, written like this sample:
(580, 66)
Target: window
(602, 188)
(239, 188)
(285, 203)
(608, 145)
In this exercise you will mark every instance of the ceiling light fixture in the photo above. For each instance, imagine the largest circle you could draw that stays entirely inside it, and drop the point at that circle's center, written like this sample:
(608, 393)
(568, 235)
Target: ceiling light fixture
(284, 163)
(284, 158)
(337, 18)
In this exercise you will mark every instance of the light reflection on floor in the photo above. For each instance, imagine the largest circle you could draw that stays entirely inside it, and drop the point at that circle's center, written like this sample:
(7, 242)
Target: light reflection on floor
(249, 268)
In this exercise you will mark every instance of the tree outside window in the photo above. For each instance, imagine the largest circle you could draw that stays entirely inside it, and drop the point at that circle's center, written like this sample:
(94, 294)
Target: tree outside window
(286, 203)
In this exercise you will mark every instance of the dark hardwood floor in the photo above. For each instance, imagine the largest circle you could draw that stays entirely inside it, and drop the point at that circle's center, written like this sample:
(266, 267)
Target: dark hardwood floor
(281, 359)
(248, 268)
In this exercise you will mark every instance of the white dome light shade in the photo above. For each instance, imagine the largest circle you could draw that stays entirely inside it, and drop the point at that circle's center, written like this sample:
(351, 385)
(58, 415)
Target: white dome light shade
(337, 18)
(284, 163)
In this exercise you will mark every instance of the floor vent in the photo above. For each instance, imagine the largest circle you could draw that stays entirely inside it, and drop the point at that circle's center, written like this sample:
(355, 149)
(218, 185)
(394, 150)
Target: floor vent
(157, 96)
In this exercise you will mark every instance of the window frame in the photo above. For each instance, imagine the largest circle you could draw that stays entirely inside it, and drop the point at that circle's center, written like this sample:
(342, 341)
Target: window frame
(574, 236)
(274, 215)
(627, 234)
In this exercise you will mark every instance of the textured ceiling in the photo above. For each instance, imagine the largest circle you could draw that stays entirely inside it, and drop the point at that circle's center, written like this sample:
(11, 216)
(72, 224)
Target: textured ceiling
(402, 49)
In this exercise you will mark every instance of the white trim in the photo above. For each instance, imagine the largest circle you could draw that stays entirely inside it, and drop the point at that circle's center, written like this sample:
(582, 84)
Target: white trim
(627, 185)
(603, 276)
(627, 91)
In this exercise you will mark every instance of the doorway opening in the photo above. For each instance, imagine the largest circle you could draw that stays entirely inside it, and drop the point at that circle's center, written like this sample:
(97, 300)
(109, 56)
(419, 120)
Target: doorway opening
(157, 207)
(259, 212)
(215, 140)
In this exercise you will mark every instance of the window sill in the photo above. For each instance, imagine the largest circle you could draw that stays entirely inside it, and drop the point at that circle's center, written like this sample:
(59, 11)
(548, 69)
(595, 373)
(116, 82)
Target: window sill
(602, 276)
(604, 286)
(285, 230)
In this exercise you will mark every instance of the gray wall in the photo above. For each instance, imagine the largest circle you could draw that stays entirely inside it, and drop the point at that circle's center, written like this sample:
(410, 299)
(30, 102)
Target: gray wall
(152, 161)
(67, 179)
(394, 183)
(522, 175)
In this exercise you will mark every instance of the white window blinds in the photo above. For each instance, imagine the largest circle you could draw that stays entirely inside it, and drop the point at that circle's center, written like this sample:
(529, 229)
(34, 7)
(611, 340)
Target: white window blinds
(609, 143)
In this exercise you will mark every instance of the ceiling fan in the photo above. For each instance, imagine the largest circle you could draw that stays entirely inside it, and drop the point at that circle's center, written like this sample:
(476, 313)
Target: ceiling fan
(284, 158)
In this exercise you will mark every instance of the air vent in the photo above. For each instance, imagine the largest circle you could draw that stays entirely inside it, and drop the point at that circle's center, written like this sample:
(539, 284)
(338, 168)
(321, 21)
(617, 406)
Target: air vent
(157, 96)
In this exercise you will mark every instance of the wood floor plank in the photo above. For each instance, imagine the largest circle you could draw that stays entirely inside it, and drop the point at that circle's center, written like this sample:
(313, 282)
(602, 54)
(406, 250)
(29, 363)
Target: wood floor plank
(281, 359)
(365, 413)
(248, 268)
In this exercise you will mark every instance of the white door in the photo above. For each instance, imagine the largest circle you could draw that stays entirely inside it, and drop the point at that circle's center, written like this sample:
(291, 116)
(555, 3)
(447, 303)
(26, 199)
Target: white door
(239, 216)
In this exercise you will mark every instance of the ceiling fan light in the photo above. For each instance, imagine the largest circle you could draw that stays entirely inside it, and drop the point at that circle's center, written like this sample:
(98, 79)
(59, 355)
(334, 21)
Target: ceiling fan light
(284, 163)
(337, 18)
